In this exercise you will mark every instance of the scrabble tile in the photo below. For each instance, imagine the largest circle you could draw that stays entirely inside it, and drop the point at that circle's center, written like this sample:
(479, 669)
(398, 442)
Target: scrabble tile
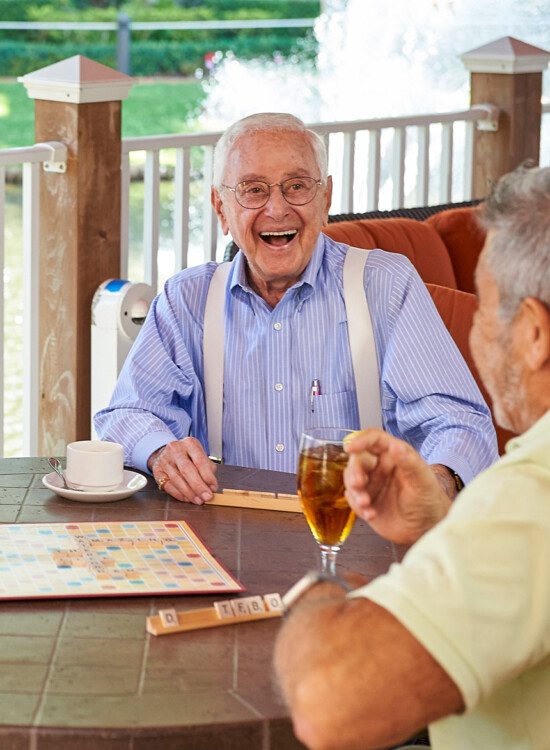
(273, 602)
(224, 609)
(168, 617)
(240, 607)
(255, 604)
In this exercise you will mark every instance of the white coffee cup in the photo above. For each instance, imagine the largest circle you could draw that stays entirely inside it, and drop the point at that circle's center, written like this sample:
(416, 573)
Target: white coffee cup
(94, 465)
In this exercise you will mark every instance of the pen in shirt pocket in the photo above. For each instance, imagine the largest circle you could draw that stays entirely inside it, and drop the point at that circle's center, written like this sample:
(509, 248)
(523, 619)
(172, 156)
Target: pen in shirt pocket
(314, 391)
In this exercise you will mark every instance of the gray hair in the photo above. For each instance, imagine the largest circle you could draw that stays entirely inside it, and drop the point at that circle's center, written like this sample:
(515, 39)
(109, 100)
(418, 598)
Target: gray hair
(518, 211)
(265, 122)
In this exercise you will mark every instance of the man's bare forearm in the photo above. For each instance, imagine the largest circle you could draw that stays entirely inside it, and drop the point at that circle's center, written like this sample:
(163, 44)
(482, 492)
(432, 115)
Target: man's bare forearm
(354, 677)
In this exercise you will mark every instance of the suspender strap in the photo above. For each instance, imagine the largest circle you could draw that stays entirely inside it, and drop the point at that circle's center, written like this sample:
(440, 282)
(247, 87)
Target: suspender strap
(361, 339)
(213, 353)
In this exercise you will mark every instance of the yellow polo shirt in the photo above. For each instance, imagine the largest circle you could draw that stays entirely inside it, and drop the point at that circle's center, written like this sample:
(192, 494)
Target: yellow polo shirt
(475, 591)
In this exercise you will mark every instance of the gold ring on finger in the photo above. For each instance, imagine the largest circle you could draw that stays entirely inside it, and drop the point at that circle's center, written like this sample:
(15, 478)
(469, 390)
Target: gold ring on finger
(161, 482)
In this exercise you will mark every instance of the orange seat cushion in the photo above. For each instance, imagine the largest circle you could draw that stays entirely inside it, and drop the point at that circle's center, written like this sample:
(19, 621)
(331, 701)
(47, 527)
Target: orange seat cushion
(457, 309)
(464, 238)
(417, 240)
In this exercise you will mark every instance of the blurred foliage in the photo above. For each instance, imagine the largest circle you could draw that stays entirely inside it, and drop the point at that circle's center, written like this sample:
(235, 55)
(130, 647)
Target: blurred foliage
(162, 52)
(151, 108)
(150, 58)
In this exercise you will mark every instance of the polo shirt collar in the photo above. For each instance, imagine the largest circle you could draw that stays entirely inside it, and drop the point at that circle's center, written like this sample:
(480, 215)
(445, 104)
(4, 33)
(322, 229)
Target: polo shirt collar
(539, 431)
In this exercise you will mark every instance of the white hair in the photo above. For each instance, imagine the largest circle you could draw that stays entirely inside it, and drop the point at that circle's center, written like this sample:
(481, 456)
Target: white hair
(518, 257)
(266, 122)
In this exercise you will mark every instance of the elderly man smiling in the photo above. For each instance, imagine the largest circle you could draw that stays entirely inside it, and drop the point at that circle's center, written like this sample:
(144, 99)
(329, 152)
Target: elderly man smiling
(286, 354)
(458, 635)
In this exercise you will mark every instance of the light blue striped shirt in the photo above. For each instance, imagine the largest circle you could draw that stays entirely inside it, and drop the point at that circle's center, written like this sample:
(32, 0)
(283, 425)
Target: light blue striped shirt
(429, 397)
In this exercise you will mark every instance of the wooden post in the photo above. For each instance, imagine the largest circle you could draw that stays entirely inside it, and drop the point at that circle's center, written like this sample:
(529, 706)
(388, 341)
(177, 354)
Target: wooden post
(506, 73)
(78, 102)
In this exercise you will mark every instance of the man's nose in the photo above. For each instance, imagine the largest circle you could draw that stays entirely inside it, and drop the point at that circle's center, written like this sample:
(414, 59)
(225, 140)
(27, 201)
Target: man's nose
(276, 204)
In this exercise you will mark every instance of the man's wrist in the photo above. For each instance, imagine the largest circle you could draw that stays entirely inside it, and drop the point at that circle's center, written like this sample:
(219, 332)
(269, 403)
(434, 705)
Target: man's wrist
(307, 582)
(154, 457)
(449, 480)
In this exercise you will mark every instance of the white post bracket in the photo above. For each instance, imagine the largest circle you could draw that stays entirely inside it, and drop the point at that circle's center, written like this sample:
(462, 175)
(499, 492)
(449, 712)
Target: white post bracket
(57, 157)
(490, 119)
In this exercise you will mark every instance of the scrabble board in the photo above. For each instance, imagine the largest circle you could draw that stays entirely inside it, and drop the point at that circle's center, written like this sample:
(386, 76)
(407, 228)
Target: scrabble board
(107, 559)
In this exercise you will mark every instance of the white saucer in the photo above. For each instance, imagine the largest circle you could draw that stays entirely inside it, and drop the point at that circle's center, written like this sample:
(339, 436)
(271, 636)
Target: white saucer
(131, 483)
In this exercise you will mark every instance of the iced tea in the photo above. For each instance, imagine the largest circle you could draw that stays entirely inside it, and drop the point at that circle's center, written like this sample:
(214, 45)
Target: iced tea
(321, 491)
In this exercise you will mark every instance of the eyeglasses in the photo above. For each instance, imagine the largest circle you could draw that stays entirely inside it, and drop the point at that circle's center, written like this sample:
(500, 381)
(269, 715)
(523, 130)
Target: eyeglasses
(255, 193)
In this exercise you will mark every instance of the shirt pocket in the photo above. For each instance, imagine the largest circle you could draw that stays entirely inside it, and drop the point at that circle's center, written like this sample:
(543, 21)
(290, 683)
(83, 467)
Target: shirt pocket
(334, 410)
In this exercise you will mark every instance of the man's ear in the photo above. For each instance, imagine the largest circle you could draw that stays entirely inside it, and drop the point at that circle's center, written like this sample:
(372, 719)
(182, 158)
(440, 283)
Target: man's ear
(537, 333)
(217, 203)
(328, 199)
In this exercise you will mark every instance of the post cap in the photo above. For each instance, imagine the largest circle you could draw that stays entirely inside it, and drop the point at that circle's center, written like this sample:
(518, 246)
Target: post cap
(77, 80)
(506, 55)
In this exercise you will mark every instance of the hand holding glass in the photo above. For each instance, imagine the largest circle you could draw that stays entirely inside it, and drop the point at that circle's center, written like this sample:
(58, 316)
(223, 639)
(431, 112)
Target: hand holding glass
(321, 465)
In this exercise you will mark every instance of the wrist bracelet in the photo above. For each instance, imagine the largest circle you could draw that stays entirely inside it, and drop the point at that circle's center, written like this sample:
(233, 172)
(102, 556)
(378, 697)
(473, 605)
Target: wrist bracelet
(459, 484)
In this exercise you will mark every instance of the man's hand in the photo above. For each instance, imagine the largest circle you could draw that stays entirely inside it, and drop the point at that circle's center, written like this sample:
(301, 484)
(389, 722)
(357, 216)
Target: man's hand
(184, 471)
(391, 487)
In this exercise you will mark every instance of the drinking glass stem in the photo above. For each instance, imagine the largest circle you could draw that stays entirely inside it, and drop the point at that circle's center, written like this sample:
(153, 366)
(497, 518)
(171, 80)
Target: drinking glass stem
(328, 559)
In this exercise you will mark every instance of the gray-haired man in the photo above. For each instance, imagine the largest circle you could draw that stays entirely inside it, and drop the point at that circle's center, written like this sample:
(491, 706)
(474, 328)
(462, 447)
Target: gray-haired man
(458, 635)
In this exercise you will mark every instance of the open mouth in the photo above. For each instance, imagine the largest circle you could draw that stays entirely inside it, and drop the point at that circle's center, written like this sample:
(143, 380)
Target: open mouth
(279, 239)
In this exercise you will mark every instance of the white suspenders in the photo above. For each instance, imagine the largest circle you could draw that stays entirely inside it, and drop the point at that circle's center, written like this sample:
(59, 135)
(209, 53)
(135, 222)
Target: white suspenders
(361, 340)
(213, 355)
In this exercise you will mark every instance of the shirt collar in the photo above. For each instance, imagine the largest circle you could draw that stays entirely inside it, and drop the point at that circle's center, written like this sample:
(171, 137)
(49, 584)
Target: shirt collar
(539, 431)
(309, 276)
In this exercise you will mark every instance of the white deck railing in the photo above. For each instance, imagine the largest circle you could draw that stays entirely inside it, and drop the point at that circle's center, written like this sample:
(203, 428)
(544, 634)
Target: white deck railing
(26, 330)
(376, 164)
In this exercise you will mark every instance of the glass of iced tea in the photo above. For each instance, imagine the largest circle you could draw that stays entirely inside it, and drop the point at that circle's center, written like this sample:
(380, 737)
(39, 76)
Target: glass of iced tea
(321, 465)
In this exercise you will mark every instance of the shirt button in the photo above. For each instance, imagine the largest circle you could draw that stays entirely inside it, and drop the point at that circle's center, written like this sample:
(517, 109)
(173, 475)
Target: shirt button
(279, 386)
(279, 447)
(277, 326)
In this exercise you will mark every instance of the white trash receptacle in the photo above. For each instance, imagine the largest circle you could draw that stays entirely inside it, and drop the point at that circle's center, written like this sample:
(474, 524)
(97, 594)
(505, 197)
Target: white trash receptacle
(119, 309)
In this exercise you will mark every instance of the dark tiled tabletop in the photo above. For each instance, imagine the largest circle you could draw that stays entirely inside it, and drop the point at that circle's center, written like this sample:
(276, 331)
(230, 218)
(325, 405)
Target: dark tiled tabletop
(83, 674)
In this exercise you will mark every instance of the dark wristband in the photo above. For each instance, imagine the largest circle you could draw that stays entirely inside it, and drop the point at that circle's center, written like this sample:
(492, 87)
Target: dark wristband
(459, 484)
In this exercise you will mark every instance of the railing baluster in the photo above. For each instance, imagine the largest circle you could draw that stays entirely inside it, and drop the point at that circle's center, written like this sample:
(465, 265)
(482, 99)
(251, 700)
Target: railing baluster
(423, 166)
(31, 369)
(2, 266)
(181, 207)
(398, 167)
(468, 160)
(210, 220)
(373, 174)
(348, 163)
(151, 217)
(446, 170)
(326, 138)
(124, 215)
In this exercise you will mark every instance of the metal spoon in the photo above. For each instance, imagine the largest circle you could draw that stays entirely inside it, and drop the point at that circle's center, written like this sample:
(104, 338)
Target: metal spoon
(56, 466)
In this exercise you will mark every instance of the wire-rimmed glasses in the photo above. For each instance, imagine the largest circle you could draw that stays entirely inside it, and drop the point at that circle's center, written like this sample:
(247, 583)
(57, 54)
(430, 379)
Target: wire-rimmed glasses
(255, 193)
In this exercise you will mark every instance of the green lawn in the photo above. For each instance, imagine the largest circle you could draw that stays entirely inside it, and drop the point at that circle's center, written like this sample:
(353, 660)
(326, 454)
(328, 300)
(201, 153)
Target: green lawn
(152, 108)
